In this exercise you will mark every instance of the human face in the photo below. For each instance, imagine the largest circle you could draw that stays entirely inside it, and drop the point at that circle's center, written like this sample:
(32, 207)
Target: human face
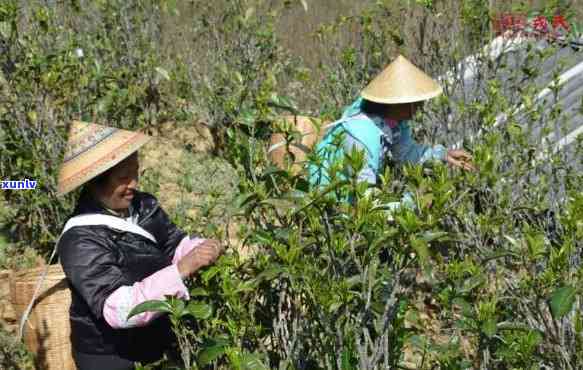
(401, 112)
(119, 187)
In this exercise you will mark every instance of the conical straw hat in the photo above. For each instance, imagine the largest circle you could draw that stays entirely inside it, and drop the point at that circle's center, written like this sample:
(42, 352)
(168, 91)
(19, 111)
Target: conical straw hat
(401, 82)
(93, 149)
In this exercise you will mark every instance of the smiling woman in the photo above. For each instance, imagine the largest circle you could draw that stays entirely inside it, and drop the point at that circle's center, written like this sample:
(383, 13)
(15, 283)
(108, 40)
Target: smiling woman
(116, 187)
(118, 250)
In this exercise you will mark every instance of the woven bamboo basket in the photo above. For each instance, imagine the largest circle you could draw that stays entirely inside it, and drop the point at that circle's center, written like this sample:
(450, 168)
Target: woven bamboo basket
(7, 315)
(47, 331)
(293, 155)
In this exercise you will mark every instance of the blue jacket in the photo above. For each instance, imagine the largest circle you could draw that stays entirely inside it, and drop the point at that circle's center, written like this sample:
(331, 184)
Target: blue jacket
(378, 141)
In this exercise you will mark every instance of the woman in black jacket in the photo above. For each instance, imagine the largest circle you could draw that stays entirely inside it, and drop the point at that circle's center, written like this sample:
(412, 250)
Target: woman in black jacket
(119, 249)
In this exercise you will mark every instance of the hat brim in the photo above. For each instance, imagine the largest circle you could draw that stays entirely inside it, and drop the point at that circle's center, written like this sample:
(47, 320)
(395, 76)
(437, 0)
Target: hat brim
(85, 167)
(402, 99)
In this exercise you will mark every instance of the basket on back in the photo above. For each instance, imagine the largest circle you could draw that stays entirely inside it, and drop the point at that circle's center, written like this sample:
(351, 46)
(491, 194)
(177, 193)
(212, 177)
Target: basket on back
(291, 154)
(47, 331)
(7, 316)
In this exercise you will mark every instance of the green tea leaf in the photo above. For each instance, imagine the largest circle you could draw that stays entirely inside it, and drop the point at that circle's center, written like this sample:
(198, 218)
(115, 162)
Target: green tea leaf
(209, 273)
(489, 327)
(150, 306)
(177, 306)
(430, 236)
(211, 352)
(242, 200)
(562, 301)
(199, 310)
(421, 248)
(198, 292)
(270, 273)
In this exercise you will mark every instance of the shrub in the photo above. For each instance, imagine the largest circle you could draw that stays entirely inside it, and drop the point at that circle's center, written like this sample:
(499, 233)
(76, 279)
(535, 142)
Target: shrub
(482, 274)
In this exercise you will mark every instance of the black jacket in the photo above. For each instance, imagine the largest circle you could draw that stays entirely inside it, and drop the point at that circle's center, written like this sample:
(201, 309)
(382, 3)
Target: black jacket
(97, 260)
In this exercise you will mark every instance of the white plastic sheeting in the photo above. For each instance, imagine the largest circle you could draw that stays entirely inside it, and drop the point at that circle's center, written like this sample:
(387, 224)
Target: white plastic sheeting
(570, 94)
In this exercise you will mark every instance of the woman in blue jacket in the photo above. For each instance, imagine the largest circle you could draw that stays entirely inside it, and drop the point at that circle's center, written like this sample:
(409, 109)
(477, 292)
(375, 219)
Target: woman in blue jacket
(377, 123)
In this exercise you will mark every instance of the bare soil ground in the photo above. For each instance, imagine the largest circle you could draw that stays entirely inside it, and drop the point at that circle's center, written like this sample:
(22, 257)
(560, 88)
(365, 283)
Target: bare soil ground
(195, 188)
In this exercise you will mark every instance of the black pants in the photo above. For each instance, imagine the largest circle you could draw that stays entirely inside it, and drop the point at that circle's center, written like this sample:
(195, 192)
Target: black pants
(86, 361)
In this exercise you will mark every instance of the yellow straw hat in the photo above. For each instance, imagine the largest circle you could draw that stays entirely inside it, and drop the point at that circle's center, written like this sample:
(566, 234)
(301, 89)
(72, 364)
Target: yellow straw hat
(93, 149)
(401, 82)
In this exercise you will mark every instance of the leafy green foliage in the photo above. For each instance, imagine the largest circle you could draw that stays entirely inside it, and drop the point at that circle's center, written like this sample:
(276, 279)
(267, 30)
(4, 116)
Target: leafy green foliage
(150, 306)
(562, 301)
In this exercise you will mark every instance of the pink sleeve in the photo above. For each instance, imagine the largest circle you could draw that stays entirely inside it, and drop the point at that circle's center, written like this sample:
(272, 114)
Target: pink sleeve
(185, 246)
(155, 287)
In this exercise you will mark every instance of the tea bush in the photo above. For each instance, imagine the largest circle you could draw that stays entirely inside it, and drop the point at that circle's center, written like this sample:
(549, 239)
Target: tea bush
(483, 274)
(339, 286)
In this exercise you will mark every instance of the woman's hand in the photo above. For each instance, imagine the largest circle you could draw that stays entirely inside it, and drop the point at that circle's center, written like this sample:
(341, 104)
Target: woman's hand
(460, 158)
(201, 256)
